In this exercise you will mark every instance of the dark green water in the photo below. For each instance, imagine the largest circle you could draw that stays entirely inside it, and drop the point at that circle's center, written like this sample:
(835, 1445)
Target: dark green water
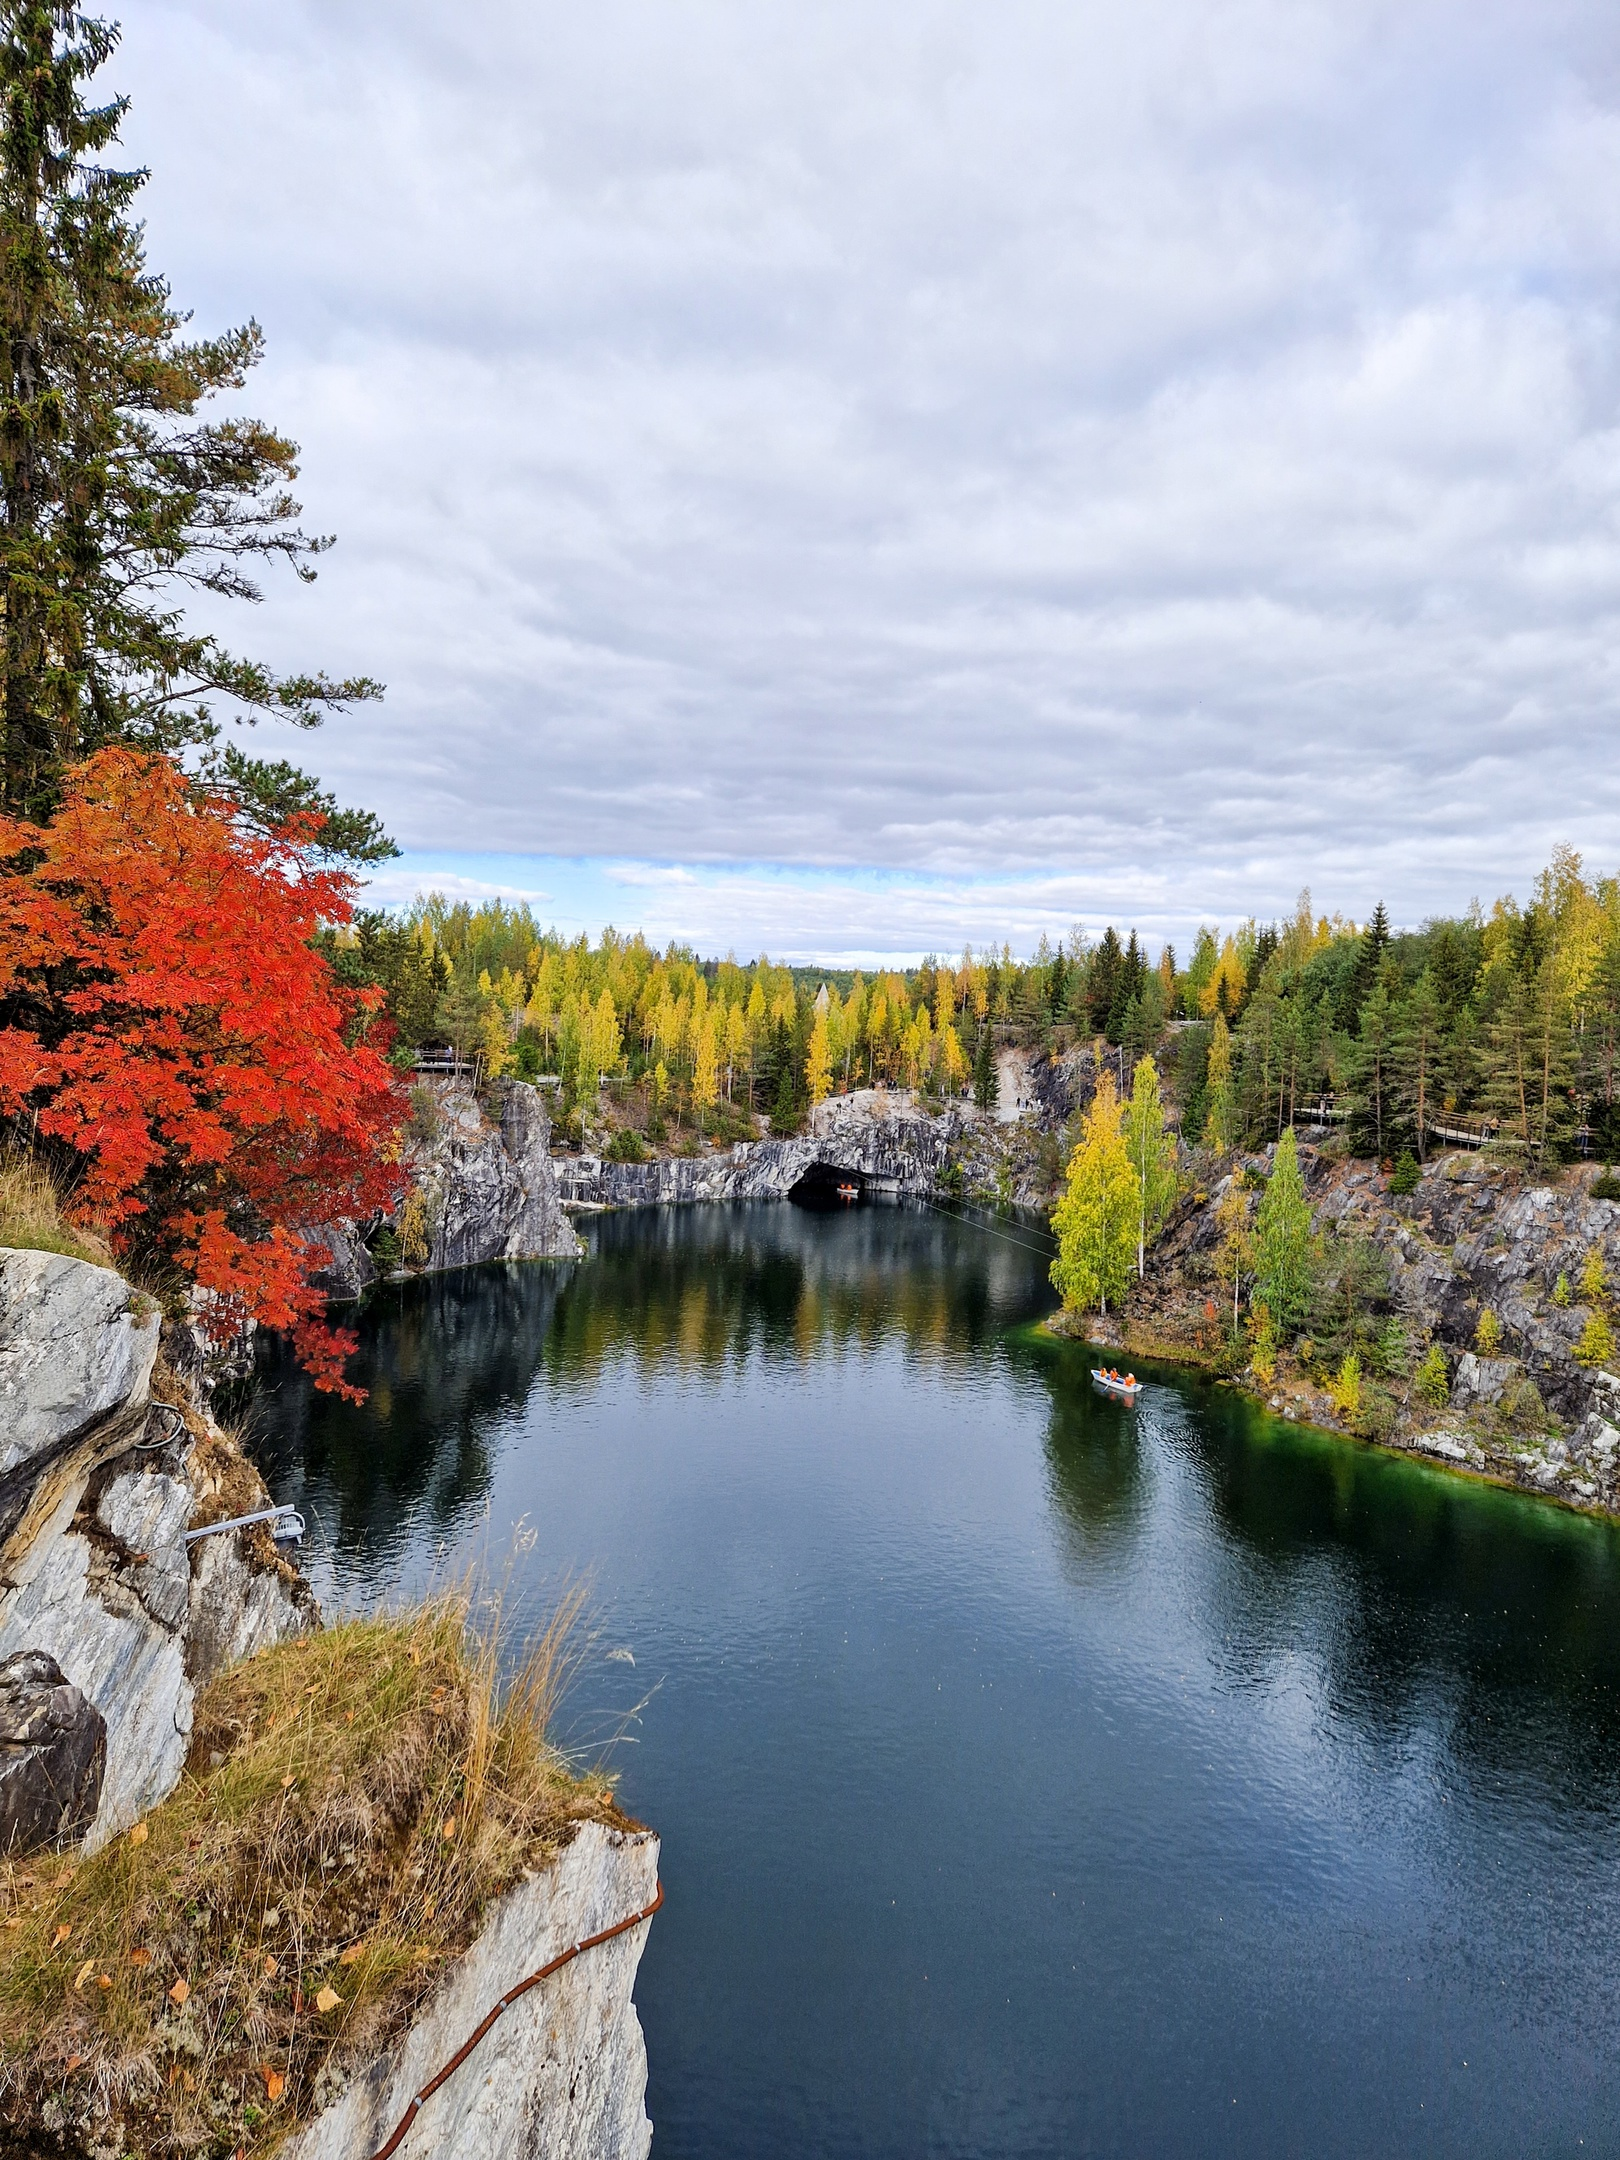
(1035, 1776)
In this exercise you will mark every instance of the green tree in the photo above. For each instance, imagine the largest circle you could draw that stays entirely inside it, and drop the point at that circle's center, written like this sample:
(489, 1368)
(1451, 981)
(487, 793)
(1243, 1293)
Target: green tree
(1415, 1057)
(1283, 1247)
(1373, 1065)
(113, 496)
(1153, 1158)
(1431, 1383)
(986, 1079)
(1096, 1219)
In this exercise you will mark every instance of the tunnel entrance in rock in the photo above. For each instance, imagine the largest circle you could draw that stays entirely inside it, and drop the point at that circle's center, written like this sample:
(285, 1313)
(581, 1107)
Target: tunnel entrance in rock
(822, 1186)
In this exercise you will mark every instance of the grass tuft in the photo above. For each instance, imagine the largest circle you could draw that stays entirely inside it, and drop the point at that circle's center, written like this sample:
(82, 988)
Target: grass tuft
(352, 1802)
(32, 1212)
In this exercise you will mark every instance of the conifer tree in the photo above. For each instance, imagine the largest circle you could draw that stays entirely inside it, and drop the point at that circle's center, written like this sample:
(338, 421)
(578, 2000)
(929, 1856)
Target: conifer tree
(1415, 1057)
(1219, 1120)
(1095, 1221)
(1373, 1063)
(1282, 1239)
(818, 1062)
(112, 494)
(1153, 1158)
(986, 1079)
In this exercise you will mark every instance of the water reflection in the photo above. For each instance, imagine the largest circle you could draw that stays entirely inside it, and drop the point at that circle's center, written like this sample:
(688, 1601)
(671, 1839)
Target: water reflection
(1055, 1772)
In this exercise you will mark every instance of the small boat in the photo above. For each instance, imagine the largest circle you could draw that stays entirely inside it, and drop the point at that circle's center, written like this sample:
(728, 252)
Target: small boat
(1111, 1384)
(849, 1192)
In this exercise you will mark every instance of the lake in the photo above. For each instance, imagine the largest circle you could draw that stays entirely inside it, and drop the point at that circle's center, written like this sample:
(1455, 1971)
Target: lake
(1037, 1776)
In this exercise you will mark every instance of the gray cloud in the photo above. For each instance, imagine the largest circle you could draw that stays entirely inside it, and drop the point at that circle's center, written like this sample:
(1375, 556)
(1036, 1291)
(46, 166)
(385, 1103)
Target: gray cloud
(1169, 448)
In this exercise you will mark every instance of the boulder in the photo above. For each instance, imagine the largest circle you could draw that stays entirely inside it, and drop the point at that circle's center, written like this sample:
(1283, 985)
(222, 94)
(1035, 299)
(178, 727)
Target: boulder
(53, 1751)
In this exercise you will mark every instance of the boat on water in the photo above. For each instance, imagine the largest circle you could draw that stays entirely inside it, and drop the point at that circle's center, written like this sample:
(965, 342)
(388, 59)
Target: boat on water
(1127, 1389)
(849, 1192)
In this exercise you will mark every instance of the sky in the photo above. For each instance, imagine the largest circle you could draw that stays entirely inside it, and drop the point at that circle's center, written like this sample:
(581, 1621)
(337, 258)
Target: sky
(851, 480)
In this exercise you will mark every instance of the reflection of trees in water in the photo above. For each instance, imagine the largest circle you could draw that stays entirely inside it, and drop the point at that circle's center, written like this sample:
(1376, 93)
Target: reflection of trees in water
(1414, 1593)
(706, 1287)
(701, 1288)
(1428, 1613)
(1097, 1470)
(441, 1359)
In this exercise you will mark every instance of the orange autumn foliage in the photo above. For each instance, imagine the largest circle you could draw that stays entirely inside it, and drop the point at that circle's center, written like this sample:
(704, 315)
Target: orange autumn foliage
(164, 1015)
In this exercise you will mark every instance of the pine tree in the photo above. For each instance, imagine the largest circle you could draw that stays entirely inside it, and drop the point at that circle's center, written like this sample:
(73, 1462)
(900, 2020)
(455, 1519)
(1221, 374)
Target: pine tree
(1096, 1219)
(112, 494)
(1283, 1256)
(1153, 1158)
(1415, 1057)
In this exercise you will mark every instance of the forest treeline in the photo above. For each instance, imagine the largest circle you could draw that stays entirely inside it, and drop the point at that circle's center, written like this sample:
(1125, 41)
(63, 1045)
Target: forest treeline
(1507, 1019)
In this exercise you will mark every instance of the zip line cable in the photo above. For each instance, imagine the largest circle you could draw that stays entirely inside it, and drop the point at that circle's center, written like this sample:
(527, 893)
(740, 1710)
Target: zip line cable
(1006, 1237)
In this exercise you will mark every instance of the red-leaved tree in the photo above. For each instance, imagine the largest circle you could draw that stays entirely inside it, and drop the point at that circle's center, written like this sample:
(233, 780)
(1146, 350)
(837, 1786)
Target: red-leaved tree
(164, 1014)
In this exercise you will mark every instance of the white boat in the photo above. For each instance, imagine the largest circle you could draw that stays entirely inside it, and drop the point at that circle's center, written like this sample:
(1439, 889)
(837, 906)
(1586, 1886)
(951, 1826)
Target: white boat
(1111, 1384)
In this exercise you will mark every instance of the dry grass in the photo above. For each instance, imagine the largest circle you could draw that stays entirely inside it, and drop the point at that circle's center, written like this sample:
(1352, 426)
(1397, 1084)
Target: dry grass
(353, 1801)
(32, 1215)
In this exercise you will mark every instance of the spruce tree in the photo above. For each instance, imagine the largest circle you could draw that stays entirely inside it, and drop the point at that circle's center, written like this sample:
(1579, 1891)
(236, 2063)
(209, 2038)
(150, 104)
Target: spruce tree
(986, 1079)
(114, 498)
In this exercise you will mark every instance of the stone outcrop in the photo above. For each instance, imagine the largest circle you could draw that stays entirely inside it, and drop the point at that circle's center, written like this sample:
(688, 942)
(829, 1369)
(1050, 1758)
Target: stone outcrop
(1474, 1236)
(564, 2073)
(874, 1135)
(95, 1571)
(76, 1354)
(486, 1186)
(53, 1751)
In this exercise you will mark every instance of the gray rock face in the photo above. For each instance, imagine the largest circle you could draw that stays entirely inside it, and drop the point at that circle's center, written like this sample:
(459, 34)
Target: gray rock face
(877, 1136)
(564, 2073)
(139, 1621)
(53, 1751)
(491, 1188)
(72, 1351)
(95, 1573)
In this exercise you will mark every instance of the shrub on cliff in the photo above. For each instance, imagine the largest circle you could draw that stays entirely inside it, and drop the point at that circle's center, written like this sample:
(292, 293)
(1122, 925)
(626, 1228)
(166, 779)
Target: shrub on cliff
(352, 1802)
(168, 1028)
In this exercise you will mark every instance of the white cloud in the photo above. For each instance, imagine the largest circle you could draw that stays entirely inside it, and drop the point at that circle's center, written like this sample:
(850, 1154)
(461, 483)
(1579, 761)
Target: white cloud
(1169, 453)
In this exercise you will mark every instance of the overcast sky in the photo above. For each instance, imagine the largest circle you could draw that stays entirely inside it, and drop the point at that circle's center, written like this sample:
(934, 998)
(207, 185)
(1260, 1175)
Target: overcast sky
(853, 478)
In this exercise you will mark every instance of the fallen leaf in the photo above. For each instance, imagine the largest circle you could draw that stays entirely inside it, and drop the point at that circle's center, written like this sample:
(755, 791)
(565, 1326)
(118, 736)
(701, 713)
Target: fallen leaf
(140, 1957)
(348, 1717)
(179, 1992)
(352, 1955)
(13, 1923)
(415, 1655)
(271, 1968)
(84, 1972)
(138, 1835)
(104, 1980)
(174, 2072)
(447, 1828)
(328, 1999)
(62, 1934)
(288, 1780)
(188, 2081)
(63, 1879)
(430, 1906)
(73, 2063)
(274, 2083)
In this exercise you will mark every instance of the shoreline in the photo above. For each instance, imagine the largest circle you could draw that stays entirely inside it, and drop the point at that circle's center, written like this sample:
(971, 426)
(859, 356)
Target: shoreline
(1411, 1450)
